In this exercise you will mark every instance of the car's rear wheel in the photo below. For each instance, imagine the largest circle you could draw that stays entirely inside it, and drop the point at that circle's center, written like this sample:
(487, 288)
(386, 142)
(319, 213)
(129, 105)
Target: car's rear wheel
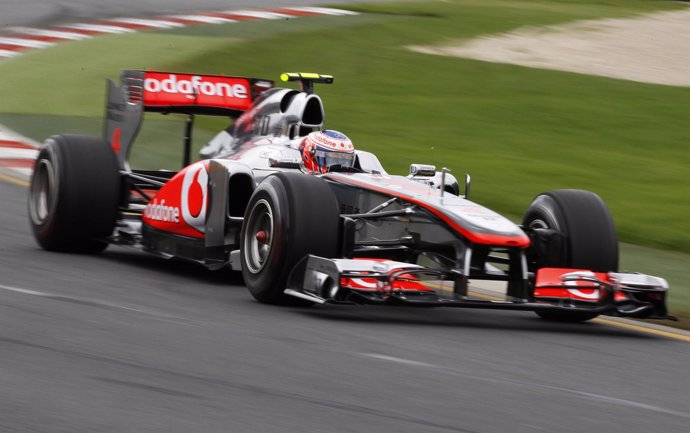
(288, 216)
(582, 236)
(74, 194)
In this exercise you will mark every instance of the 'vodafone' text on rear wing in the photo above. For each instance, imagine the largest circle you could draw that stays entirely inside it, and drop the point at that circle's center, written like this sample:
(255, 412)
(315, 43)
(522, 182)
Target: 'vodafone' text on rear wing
(170, 92)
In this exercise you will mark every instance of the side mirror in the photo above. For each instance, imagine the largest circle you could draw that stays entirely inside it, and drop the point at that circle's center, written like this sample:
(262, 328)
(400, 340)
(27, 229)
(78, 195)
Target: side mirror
(422, 170)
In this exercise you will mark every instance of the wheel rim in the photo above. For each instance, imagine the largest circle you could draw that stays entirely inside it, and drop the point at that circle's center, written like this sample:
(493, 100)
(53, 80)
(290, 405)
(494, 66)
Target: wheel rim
(43, 192)
(258, 239)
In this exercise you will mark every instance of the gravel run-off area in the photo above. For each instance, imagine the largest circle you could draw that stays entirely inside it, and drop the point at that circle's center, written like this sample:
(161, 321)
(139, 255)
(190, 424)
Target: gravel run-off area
(652, 48)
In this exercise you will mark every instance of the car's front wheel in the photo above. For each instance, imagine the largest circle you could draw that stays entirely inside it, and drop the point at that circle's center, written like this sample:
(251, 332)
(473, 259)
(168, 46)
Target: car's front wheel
(583, 236)
(288, 216)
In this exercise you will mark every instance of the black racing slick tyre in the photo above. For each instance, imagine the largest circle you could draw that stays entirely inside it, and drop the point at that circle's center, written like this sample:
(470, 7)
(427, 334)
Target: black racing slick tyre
(585, 237)
(288, 216)
(74, 194)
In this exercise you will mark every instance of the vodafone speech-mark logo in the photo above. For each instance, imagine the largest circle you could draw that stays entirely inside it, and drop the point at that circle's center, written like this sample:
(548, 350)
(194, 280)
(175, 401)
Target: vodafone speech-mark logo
(193, 196)
(163, 89)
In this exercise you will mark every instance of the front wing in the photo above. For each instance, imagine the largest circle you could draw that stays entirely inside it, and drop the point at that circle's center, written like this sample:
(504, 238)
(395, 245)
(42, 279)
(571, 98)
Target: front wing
(386, 282)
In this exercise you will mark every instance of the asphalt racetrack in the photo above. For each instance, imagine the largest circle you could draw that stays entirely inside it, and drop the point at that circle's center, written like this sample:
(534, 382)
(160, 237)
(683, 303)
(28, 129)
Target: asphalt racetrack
(126, 342)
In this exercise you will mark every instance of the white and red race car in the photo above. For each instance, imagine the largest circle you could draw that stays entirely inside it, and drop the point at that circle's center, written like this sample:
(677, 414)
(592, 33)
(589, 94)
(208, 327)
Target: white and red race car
(350, 235)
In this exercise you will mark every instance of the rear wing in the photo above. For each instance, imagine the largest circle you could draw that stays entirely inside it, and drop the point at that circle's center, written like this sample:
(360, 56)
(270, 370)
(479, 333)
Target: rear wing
(172, 92)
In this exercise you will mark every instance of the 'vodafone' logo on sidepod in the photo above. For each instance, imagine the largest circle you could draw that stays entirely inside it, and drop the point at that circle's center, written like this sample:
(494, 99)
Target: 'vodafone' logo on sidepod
(192, 202)
(193, 196)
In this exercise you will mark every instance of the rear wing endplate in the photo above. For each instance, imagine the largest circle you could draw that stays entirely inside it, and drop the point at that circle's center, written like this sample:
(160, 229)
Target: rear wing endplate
(171, 92)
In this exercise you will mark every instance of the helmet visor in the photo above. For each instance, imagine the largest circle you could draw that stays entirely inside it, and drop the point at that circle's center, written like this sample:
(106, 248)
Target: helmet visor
(330, 158)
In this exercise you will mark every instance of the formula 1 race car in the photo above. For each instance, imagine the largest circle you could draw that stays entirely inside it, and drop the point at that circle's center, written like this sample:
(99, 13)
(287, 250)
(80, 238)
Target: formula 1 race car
(352, 234)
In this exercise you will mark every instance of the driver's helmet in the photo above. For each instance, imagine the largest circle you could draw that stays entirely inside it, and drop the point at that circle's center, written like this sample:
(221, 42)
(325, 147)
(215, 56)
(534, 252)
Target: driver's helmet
(322, 150)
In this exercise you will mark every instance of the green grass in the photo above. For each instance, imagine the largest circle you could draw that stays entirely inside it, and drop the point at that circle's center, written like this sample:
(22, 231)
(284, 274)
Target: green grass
(518, 131)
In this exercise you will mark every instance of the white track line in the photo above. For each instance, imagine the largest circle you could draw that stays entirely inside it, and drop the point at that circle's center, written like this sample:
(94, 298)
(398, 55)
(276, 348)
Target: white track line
(398, 360)
(87, 301)
(24, 291)
(259, 14)
(161, 24)
(203, 19)
(6, 135)
(48, 33)
(12, 153)
(99, 28)
(16, 175)
(323, 11)
(29, 43)
(6, 53)
(9, 135)
(453, 371)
